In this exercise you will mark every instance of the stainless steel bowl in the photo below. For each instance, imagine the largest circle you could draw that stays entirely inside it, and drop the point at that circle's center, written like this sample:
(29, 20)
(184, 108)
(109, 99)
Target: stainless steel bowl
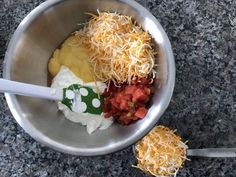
(29, 50)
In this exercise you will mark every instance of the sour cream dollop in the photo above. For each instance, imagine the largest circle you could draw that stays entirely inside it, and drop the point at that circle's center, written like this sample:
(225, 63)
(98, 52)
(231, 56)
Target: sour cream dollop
(64, 79)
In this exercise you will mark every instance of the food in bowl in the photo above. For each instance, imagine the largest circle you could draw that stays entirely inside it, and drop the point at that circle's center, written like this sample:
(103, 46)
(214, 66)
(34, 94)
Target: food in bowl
(91, 119)
(121, 49)
(161, 152)
(27, 57)
(114, 51)
(128, 102)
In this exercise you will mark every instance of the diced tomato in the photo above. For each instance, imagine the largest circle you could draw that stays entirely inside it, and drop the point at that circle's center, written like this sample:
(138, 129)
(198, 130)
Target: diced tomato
(130, 89)
(127, 97)
(115, 112)
(135, 118)
(124, 105)
(127, 103)
(141, 112)
(139, 95)
(114, 103)
(119, 97)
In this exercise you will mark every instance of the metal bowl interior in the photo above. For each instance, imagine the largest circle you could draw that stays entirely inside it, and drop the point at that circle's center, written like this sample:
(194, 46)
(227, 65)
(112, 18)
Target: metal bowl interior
(29, 50)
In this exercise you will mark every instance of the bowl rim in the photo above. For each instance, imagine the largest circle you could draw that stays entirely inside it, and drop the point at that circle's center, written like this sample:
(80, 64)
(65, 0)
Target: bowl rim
(38, 136)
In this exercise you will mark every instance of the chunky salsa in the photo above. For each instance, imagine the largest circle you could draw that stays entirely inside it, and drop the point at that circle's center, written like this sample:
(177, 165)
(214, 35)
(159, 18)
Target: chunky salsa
(128, 102)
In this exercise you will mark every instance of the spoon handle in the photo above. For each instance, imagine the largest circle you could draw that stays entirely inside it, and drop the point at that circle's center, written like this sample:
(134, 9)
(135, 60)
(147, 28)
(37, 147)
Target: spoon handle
(213, 152)
(31, 90)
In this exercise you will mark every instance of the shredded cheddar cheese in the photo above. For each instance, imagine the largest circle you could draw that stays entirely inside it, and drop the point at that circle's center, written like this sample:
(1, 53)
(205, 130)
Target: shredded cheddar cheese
(120, 49)
(161, 152)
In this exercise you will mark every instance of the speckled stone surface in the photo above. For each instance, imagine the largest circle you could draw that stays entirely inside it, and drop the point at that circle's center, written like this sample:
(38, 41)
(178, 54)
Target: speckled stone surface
(203, 108)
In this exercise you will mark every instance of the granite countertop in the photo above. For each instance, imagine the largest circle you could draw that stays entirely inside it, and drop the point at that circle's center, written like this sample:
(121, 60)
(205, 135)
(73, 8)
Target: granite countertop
(203, 108)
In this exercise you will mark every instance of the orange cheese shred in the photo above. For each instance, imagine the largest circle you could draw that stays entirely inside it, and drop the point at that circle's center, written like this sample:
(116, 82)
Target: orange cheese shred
(120, 49)
(161, 152)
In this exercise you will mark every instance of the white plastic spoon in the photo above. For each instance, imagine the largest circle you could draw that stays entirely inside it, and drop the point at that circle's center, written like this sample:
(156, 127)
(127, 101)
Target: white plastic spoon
(70, 96)
(30, 90)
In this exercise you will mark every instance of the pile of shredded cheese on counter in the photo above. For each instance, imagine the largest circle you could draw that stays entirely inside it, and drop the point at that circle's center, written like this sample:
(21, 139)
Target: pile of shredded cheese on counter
(161, 152)
(121, 50)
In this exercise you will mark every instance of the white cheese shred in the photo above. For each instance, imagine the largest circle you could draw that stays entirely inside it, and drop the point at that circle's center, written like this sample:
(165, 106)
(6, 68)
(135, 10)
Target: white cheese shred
(121, 50)
(161, 153)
